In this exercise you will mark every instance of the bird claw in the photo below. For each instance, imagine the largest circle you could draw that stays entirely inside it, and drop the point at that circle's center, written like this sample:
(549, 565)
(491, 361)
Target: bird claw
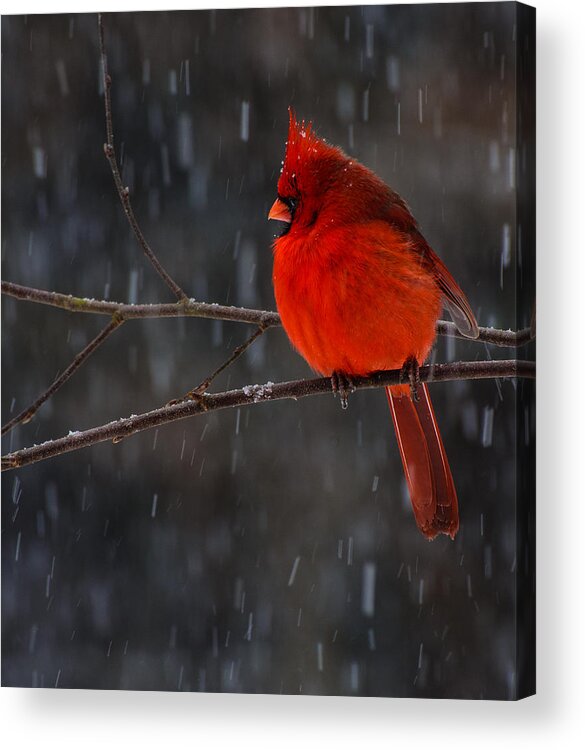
(411, 372)
(343, 385)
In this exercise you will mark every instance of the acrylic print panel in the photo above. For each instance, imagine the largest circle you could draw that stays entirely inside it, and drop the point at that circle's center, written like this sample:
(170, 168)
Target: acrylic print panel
(269, 546)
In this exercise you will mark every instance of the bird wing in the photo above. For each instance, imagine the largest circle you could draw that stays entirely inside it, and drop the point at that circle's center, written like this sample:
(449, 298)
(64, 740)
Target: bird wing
(455, 301)
(399, 215)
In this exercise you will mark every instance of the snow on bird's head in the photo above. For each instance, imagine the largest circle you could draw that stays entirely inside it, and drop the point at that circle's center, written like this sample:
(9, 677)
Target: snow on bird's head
(305, 153)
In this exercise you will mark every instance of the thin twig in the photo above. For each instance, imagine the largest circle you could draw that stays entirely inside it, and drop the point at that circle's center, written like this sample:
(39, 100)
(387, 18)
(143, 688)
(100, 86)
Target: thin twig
(124, 194)
(27, 414)
(238, 351)
(123, 191)
(254, 394)
(191, 308)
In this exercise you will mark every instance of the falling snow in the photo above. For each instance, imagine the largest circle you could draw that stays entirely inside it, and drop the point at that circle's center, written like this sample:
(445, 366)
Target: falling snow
(251, 549)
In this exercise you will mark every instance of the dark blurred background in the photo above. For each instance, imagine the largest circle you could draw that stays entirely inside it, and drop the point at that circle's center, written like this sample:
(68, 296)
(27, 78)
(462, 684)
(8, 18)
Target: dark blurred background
(236, 551)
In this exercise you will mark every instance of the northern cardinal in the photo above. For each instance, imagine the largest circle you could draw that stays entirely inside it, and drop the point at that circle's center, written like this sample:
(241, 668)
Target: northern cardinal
(359, 289)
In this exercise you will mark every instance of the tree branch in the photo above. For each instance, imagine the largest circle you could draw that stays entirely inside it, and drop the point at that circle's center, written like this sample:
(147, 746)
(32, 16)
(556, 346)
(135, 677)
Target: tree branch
(191, 308)
(123, 191)
(254, 394)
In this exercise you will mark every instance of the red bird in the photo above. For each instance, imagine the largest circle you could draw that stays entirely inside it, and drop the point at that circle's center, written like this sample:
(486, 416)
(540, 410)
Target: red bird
(359, 289)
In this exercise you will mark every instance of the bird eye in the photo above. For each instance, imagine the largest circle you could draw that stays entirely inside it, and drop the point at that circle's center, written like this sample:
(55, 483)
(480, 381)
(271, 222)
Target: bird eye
(291, 203)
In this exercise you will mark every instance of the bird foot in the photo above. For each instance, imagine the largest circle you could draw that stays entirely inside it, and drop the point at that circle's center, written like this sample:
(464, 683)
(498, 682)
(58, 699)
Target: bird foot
(411, 372)
(344, 385)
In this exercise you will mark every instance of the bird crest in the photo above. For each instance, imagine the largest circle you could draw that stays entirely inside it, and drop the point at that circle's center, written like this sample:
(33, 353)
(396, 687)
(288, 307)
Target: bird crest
(302, 149)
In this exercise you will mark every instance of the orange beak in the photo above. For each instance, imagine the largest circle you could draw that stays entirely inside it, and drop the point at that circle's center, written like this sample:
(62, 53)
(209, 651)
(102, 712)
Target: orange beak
(280, 211)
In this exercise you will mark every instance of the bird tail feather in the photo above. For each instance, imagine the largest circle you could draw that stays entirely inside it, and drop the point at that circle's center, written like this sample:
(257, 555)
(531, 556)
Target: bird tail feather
(428, 476)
